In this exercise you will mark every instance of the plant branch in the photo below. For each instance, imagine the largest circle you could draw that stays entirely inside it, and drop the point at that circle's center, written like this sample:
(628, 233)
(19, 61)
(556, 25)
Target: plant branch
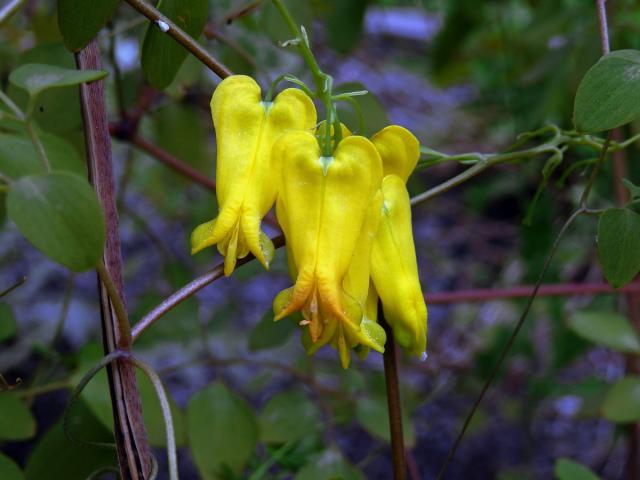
(134, 454)
(394, 406)
(180, 36)
(7, 291)
(10, 9)
(188, 290)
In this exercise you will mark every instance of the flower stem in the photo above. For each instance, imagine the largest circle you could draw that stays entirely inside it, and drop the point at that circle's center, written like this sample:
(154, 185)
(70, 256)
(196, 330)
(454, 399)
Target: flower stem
(323, 81)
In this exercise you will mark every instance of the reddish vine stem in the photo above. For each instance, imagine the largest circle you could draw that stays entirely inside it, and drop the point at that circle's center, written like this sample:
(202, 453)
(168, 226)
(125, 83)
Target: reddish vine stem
(394, 405)
(134, 455)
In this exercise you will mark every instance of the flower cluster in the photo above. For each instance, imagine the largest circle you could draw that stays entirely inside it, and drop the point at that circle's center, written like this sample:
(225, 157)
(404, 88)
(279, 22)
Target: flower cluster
(346, 217)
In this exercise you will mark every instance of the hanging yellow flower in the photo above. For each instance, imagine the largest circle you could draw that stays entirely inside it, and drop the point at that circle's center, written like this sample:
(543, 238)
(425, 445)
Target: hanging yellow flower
(322, 207)
(246, 172)
(394, 268)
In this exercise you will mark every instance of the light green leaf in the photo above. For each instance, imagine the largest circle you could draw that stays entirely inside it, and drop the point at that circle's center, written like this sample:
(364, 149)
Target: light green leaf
(59, 213)
(606, 328)
(68, 459)
(566, 469)
(9, 470)
(18, 156)
(609, 94)
(344, 23)
(269, 334)
(161, 55)
(16, 421)
(37, 77)
(328, 465)
(96, 396)
(8, 326)
(288, 417)
(619, 245)
(372, 414)
(222, 431)
(622, 403)
(81, 20)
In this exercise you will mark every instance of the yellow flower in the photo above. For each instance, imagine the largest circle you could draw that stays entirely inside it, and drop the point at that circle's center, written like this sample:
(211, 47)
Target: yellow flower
(322, 207)
(394, 268)
(246, 172)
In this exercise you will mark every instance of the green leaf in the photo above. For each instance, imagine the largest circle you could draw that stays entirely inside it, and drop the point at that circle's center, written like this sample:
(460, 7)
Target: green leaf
(18, 156)
(9, 470)
(372, 414)
(161, 55)
(269, 334)
(59, 213)
(375, 115)
(222, 431)
(81, 20)
(344, 23)
(566, 469)
(37, 77)
(609, 94)
(16, 421)
(96, 396)
(619, 245)
(328, 465)
(606, 328)
(288, 417)
(274, 26)
(622, 403)
(8, 326)
(634, 190)
(68, 459)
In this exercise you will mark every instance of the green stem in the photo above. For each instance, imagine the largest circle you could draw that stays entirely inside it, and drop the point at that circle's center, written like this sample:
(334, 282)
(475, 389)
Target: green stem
(166, 415)
(4, 98)
(38, 145)
(118, 306)
(51, 387)
(323, 82)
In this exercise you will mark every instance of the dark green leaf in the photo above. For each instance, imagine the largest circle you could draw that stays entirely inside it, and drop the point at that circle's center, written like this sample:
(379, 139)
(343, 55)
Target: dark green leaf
(344, 23)
(222, 431)
(162, 56)
(18, 156)
(288, 417)
(8, 325)
(276, 28)
(606, 328)
(619, 245)
(634, 190)
(81, 20)
(59, 213)
(38, 77)
(372, 414)
(269, 334)
(375, 116)
(566, 469)
(9, 470)
(609, 94)
(96, 396)
(16, 421)
(68, 459)
(622, 403)
(328, 465)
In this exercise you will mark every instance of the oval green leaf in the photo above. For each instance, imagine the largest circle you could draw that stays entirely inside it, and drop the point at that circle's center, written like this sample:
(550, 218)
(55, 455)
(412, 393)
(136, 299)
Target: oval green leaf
(609, 94)
(619, 245)
(59, 213)
(606, 328)
(373, 415)
(38, 77)
(622, 403)
(8, 326)
(222, 430)
(9, 470)
(81, 20)
(18, 156)
(328, 465)
(288, 417)
(269, 334)
(162, 56)
(16, 421)
(566, 469)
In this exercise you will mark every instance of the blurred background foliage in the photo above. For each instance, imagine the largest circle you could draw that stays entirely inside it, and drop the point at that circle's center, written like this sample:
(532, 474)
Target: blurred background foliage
(464, 76)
